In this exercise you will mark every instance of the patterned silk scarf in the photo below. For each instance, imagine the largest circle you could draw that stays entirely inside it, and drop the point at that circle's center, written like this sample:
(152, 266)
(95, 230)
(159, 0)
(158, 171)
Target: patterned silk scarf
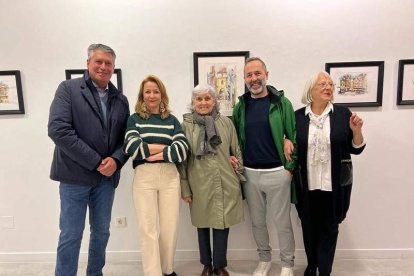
(318, 146)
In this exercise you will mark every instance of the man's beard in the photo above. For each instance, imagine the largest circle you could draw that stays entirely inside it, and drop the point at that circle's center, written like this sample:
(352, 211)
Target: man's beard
(258, 90)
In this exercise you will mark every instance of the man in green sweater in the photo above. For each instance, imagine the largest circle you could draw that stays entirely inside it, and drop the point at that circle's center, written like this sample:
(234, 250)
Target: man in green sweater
(263, 118)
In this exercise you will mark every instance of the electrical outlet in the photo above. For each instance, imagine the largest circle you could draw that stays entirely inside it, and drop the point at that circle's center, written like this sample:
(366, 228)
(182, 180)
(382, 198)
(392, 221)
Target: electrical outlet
(121, 222)
(7, 222)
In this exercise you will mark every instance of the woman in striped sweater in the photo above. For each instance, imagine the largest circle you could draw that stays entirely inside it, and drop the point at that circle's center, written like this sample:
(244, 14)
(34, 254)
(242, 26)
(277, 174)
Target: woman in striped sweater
(155, 141)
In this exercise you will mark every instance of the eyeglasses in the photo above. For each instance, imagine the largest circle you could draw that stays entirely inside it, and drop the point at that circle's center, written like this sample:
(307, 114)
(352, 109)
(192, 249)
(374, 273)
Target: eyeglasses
(324, 85)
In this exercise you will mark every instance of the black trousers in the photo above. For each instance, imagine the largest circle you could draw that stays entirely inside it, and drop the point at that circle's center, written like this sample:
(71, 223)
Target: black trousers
(320, 233)
(220, 238)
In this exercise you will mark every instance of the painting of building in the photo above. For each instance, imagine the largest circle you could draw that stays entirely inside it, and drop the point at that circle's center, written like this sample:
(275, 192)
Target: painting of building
(224, 80)
(4, 93)
(353, 84)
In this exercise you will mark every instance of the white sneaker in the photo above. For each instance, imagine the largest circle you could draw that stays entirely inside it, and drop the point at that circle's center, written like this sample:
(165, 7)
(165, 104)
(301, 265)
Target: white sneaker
(262, 269)
(287, 271)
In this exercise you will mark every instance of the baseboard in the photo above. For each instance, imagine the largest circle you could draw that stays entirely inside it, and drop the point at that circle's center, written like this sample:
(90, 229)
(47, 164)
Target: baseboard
(232, 254)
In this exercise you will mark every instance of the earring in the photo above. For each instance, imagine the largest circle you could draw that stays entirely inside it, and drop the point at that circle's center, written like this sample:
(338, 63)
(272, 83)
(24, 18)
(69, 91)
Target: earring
(162, 107)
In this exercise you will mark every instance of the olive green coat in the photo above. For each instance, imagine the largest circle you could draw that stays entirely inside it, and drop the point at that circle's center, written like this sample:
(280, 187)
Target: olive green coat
(211, 181)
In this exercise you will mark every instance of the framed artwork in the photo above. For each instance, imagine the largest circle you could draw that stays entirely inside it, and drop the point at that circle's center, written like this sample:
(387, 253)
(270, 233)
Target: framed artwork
(357, 83)
(405, 90)
(11, 94)
(224, 72)
(116, 78)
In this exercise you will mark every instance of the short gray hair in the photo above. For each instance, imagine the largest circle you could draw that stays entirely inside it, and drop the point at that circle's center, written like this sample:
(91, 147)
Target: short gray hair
(310, 84)
(203, 88)
(258, 59)
(101, 47)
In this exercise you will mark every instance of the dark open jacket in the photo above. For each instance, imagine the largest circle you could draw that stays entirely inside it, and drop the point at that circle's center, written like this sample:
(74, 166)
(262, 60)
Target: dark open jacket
(341, 163)
(77, 128)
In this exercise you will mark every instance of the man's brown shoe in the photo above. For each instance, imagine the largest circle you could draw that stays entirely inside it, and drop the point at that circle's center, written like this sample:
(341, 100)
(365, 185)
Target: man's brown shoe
(221, 272)
(207, 270)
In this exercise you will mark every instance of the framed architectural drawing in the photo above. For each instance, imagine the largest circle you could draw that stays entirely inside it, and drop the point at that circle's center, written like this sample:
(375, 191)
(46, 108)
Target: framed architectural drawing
(357, 83)
(224, 72)
(11, 94)
(405, 89)
(116, 78)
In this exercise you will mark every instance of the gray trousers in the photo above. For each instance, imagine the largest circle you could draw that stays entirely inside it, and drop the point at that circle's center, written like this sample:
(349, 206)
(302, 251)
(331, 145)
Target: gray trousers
(268, 191)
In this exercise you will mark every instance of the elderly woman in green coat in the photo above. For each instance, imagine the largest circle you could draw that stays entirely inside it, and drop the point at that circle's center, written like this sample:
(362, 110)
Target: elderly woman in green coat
(210, 177)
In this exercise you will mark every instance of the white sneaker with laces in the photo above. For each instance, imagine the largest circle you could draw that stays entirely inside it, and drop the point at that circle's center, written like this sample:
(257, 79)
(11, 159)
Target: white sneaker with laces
(287, 271)
(262, 269)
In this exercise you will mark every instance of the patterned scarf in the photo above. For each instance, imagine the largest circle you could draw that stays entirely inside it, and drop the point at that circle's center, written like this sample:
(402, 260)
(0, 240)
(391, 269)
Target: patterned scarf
(318, 146)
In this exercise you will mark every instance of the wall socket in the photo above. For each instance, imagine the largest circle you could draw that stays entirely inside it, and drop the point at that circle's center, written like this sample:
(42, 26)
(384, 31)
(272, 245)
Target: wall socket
(7, 222)
(121, 222)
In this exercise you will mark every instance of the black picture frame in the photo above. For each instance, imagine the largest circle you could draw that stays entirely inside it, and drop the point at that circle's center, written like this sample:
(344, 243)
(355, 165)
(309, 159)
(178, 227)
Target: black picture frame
(11, 93)
(116, 76)
(227, 79)
(405, 87)
(357, 84)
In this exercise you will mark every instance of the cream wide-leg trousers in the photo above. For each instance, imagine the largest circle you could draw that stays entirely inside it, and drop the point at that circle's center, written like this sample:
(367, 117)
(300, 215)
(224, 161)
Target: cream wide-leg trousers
(156, 194)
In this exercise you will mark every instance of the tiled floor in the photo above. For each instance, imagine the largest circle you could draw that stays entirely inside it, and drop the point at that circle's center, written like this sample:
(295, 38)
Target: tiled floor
(358, 267)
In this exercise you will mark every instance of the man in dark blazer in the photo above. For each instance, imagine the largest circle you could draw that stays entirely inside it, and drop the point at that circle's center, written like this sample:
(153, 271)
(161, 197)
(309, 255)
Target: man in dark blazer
(87, 122)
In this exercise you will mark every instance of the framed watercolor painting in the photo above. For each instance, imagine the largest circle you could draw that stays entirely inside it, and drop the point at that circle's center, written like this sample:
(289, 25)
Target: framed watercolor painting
(224, 72)
(405, 89)
(11, 93)
(116, 78)
(357, 83)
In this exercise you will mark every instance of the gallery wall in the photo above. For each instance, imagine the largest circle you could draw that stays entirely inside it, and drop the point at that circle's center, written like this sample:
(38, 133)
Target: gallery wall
(295, 38)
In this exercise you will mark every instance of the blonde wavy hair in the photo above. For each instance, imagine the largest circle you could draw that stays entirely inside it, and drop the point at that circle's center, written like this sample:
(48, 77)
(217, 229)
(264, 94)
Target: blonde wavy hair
(140, 106)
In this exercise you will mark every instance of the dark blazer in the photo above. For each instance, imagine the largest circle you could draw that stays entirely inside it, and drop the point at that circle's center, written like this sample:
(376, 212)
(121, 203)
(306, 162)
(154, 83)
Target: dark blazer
(341, 169)
(77, 128)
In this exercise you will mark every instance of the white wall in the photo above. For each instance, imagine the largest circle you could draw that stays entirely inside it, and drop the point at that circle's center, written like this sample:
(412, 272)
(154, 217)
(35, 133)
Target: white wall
(295, 38)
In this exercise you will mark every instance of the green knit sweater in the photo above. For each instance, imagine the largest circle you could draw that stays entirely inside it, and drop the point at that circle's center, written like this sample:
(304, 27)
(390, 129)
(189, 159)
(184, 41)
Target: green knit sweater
(155, 130)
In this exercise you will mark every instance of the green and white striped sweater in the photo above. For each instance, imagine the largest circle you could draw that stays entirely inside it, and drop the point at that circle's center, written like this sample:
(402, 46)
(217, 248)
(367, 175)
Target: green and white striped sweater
(154, 130)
